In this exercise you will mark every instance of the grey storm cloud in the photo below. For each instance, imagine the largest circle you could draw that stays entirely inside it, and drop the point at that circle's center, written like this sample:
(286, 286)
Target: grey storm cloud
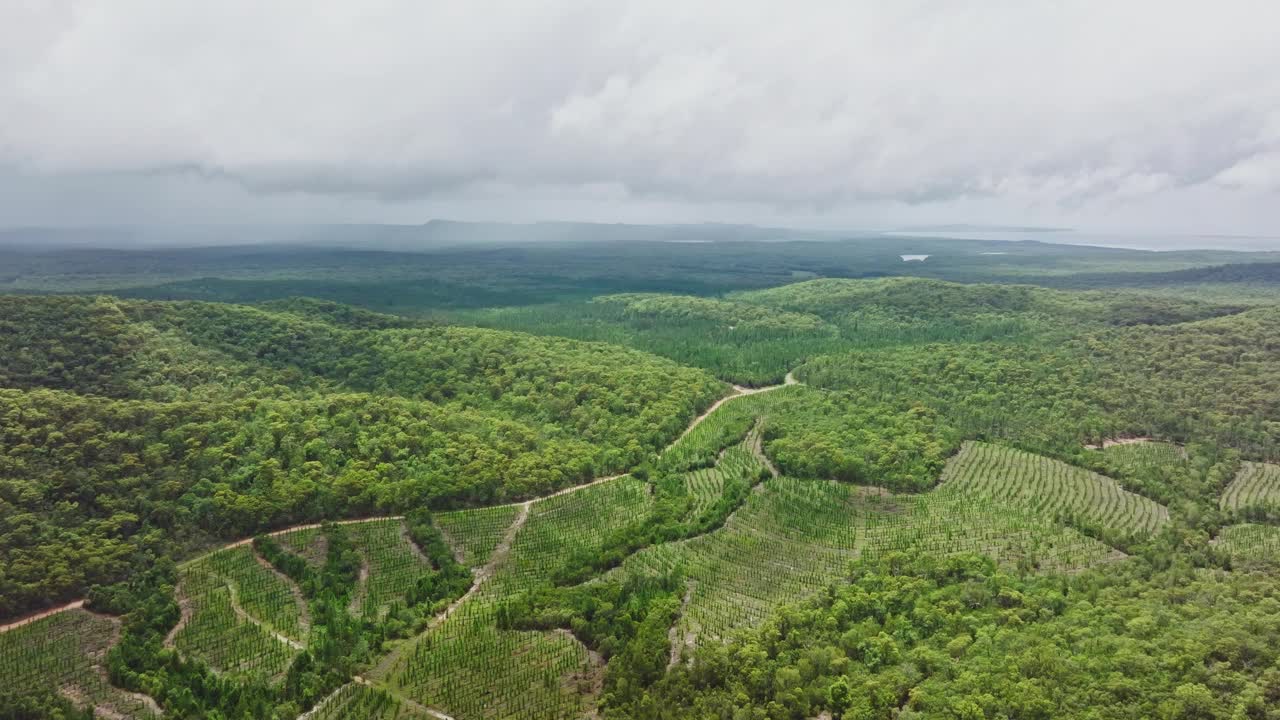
(735, 104)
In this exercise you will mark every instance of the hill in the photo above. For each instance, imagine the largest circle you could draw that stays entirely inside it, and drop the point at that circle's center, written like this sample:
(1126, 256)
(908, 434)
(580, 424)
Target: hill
(136, 429)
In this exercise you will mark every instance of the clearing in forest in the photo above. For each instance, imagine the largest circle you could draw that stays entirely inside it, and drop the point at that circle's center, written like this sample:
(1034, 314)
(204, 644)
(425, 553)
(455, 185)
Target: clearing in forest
(65, 653)
(468, 667)
(1050, 488)
(239, 614)
(310, 544)
(357, 700)
(476, 532)
(1250, 542)
(1258, 484)
(1136, 457)
(391, 565)
(794, 537)
(788, 540)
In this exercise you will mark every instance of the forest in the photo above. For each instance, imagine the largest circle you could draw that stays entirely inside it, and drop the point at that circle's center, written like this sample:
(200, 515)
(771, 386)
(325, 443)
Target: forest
(727, 479)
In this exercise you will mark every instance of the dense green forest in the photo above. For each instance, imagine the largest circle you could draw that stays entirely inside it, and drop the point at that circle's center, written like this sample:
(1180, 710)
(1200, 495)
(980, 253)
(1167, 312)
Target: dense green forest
(134, 429)
(960, 639)
(649, 479)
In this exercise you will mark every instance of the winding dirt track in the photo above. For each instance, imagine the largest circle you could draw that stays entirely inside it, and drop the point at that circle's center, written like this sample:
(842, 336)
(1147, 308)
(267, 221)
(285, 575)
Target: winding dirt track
(481, 574)
(28, 619)
(233, 593)
(738, 391)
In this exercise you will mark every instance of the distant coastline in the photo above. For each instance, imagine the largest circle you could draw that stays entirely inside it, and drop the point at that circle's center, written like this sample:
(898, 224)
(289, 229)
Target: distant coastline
(1165, 243)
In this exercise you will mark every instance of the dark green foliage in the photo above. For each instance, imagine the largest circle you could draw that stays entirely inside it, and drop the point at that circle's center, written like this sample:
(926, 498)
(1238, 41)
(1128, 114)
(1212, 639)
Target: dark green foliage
(518, 265)
(851, 437)
(172, 425)
(956, 638)
(339, 647)
(293, 566)
(141, 663)
(737, 341)
(80, 344)
(23, 706)
(756, 337)
(624, 618)
(1212, 380)
(450, 580)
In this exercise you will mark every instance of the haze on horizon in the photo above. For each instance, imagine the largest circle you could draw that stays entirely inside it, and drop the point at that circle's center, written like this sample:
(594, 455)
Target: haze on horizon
(1132, 117)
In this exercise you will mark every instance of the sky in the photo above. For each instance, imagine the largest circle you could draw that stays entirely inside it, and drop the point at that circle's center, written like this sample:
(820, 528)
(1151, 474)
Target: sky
(1126, 116)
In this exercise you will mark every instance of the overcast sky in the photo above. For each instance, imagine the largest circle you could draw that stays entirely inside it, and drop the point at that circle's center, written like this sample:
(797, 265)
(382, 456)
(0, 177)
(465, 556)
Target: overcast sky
(1129, 116)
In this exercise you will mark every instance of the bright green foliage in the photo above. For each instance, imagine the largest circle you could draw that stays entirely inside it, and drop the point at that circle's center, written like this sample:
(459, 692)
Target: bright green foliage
(1187, 479)
(1250, 541)
(701, 446)
(837, 435)
(786, 541)
(737, 464)
(843, 435)
(1207, 381)
(1258, 484)
(795, 536)
(63, 655)
(1050, 488)
(244, 617)
(475, 533)
(135, 432)
(987, 392)
(947, 522)
(1214, 380)
(260, 590)
(755, 337)
(1149, 468)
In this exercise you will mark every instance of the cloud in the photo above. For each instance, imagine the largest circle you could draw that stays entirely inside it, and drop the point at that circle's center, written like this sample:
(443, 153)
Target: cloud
(792, 108)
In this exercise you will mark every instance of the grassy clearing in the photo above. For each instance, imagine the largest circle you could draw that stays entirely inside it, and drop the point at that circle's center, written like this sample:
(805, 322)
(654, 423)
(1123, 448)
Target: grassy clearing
(560, 526)
(1257, 484)
(475, 533)
(1250, 542)
(310, 544)
(394, 565)
(244, 618)
(796, 536)
(467, 667)
(1050, 488)
(64, 653)
(361, 702)
(1136, 457)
